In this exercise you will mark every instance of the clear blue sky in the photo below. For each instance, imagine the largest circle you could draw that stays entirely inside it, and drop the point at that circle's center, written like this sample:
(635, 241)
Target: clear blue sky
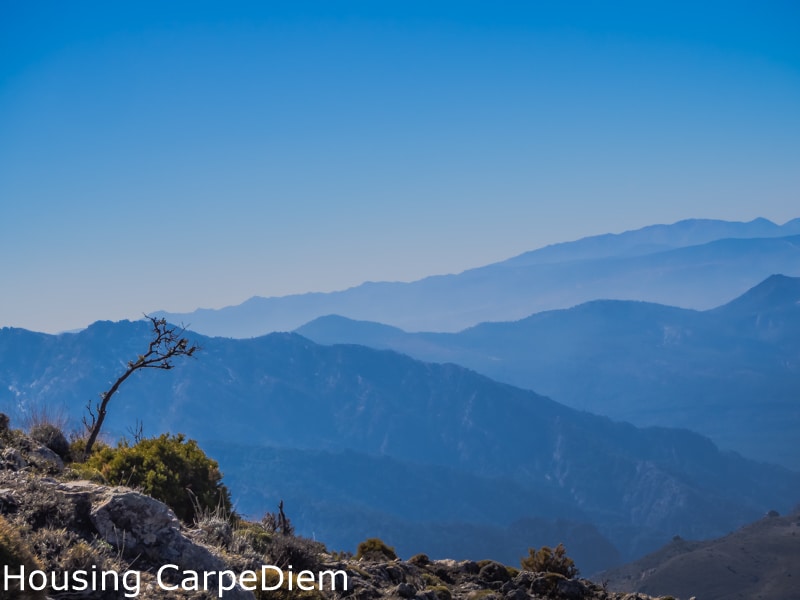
(171, 155)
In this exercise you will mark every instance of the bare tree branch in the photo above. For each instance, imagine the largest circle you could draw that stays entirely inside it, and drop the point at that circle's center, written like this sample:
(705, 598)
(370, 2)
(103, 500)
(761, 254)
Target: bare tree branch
(167, 343)
(137, 432)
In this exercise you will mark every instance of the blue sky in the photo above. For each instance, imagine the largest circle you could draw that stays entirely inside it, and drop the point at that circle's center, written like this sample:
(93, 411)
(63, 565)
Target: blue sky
(171, 155)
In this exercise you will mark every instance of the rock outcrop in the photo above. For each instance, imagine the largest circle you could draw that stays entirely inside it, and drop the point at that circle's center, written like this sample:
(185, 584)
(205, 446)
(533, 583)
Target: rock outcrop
(141, 530)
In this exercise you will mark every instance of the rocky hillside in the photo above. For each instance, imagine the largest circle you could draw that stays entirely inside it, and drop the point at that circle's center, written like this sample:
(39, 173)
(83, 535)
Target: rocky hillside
(760, 560)
(58, 526)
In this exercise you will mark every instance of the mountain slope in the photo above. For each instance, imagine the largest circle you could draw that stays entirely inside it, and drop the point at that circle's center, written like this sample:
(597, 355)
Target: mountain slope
(639, 487)
(441, 511)
(732, 373)
(699, 276)
(756, 561)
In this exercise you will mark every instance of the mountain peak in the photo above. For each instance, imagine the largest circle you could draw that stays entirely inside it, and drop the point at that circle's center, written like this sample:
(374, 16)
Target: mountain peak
(776, 291)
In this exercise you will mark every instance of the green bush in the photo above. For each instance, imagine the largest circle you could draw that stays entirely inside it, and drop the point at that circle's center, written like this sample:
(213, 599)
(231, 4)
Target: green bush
(375, 549)
(168, 468)
(547, 560)
(252, 536)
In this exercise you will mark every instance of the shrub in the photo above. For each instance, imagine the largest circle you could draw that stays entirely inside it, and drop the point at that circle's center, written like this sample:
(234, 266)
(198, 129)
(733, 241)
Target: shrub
(341, 555)
(215, 526)
(547, 560)
(39, 506)
(51, 544)
(298, 552)
(442, 592)
(15, 554)
(10, 437)
(271, 578)
(375, 549)
(51, 436)
(83, 555)
(168, 468)
(431, 580)
(253, 537)
(82, 471)
(420, 560)
(493, 571)
(37, 415)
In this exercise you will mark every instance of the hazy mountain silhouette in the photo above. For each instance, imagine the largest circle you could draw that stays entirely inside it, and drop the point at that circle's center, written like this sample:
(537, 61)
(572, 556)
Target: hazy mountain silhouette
(732, 373)
(655, 238)
(639, 487)
(685, 264)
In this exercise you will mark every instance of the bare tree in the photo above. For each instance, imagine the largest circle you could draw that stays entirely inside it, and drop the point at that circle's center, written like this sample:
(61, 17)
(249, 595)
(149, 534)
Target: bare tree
(278, 522)
(167, 343)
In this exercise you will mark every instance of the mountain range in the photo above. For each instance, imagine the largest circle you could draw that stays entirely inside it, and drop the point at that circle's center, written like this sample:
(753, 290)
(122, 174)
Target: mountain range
(371, 429)
(350, 431)
(692, 264)
(732, 372)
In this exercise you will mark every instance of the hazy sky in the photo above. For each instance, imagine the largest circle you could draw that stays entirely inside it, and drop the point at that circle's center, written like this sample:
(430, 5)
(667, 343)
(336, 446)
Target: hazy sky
(171, 155)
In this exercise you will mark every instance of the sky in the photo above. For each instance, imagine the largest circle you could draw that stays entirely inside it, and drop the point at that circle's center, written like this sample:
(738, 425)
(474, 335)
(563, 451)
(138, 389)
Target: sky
(176, 155)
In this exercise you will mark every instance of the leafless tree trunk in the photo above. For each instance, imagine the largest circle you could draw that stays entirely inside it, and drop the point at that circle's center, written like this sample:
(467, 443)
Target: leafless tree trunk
(167, 343)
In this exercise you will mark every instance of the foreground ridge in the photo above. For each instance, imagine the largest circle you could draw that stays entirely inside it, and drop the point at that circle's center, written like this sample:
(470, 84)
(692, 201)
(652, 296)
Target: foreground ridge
(62, 537)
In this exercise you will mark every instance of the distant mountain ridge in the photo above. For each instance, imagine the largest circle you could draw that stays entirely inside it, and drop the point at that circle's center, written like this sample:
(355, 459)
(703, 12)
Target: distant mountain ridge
(637, 487)
(732, 373)
(685, 264)
(656, 238)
